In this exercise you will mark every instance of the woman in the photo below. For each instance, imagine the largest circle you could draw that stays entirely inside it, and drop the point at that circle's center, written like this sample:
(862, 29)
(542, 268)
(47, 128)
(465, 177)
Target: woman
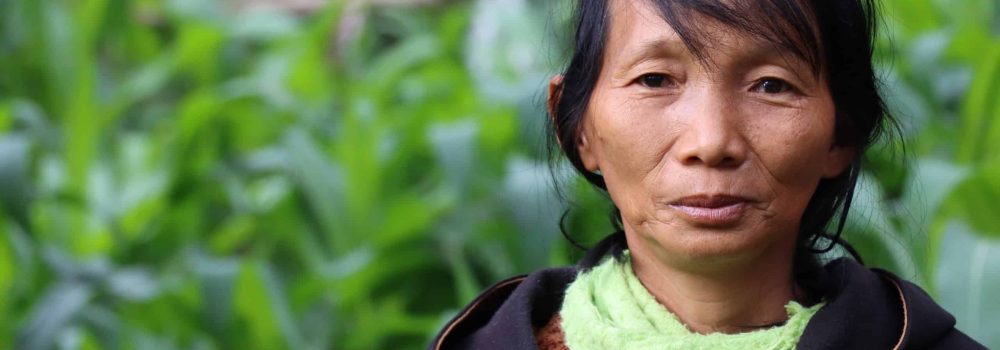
(728, 135)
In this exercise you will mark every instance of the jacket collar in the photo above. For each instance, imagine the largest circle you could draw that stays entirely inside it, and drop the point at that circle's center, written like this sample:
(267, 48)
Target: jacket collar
(866, 308)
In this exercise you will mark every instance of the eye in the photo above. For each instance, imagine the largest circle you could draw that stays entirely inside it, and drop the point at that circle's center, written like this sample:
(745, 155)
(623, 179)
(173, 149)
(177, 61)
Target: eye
(654, 80)
(772, 86)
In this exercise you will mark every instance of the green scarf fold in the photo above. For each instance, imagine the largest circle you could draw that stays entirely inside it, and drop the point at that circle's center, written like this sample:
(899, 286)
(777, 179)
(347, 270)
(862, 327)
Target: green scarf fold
(608, 308)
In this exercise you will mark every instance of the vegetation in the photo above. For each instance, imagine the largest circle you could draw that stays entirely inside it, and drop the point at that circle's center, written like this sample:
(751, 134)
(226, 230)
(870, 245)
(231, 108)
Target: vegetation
(190, 174)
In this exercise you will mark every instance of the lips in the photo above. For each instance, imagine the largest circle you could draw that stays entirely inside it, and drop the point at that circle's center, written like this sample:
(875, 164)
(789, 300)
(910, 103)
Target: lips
(712, 210)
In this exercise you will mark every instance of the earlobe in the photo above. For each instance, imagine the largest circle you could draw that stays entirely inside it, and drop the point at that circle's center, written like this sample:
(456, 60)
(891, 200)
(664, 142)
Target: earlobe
(587, 153)
(838, 160)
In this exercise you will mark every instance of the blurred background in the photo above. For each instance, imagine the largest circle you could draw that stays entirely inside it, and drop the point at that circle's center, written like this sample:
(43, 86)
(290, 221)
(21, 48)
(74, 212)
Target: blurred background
(308, 174)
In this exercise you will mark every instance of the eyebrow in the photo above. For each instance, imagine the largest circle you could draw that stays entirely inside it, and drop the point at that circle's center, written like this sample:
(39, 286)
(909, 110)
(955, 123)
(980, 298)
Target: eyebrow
(674, 47)
(652, 49)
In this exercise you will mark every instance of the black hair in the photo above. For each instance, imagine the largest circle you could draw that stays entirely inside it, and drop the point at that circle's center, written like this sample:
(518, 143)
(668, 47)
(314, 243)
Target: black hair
(835, 37)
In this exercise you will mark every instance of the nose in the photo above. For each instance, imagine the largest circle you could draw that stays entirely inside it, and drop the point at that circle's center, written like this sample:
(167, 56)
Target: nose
(712, 134)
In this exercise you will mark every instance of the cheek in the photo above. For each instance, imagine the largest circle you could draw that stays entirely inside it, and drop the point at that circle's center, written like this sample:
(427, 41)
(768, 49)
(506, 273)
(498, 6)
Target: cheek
(631, 138)
(793, 149)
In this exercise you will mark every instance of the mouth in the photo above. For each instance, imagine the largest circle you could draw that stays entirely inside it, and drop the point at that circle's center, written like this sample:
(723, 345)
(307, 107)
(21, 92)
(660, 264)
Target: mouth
(712, 210)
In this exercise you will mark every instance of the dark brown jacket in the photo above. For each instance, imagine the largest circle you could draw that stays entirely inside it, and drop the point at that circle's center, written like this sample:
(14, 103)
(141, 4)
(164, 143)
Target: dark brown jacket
(866, 309)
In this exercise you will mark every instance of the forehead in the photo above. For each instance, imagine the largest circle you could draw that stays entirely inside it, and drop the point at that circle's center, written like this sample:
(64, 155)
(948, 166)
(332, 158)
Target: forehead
(734, 30)
(638, 17)
(638, 21)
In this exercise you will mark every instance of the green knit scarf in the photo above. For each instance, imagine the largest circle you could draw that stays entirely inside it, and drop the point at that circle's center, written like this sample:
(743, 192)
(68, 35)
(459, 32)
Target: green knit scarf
(608, 308)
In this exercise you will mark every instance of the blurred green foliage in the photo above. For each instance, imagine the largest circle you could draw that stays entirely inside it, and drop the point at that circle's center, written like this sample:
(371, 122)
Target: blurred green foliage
(192, 174)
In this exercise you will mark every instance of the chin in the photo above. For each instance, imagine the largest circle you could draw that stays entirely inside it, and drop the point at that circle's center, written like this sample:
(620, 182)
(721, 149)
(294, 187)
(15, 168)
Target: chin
(700, 248)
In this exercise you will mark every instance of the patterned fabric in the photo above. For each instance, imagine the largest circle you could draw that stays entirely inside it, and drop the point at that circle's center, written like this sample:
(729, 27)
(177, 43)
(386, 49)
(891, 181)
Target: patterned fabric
(550, 337)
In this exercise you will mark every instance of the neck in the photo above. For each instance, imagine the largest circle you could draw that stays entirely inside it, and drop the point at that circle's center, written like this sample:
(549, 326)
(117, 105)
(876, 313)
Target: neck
(728, 298)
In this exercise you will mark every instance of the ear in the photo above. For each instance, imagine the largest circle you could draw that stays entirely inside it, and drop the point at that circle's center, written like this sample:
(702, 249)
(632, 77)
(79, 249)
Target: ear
(587, 154)
(555, 94)
(837, 160)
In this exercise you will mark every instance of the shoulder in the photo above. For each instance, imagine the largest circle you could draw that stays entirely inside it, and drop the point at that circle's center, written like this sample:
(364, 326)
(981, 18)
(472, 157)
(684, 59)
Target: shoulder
(873, 308)
(506, 315)
(926, 324)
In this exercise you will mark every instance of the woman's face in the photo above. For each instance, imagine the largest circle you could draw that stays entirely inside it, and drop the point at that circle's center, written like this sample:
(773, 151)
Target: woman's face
(710, 161)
